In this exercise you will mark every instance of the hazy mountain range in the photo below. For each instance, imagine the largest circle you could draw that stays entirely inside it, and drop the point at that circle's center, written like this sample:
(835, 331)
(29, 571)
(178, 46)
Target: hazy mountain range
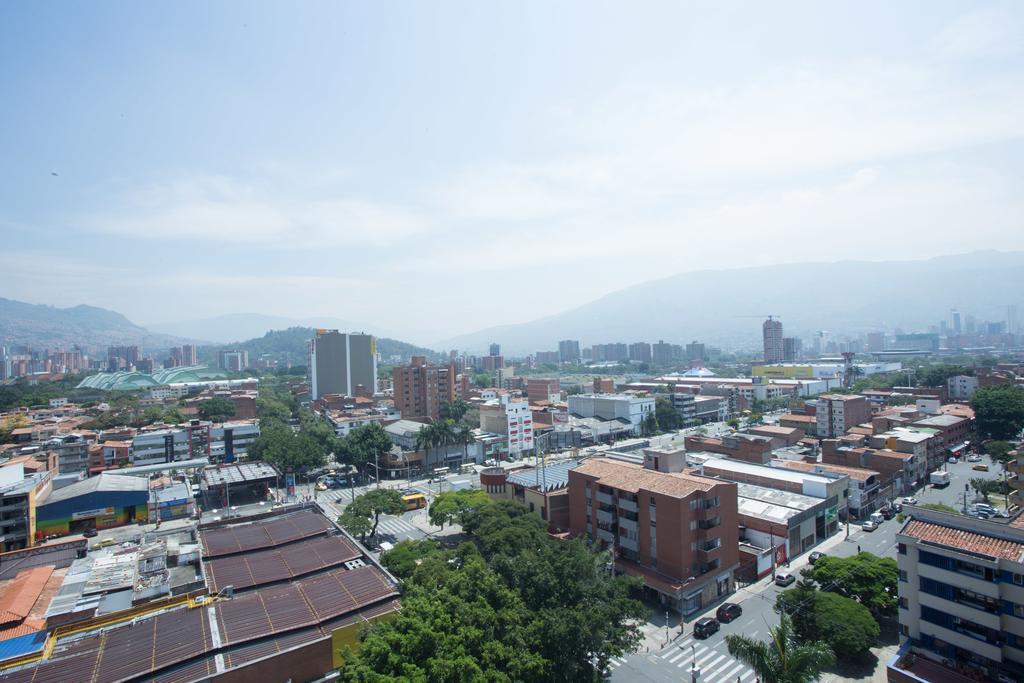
(725, 307)
(234, 327)
(42, 327)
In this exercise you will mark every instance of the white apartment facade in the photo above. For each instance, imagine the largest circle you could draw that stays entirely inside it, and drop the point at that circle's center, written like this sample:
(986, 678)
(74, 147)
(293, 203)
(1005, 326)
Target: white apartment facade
(961, 592)
(633, 409)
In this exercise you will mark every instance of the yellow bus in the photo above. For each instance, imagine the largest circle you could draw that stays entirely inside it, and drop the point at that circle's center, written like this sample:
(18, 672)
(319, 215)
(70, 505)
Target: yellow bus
(415, 501)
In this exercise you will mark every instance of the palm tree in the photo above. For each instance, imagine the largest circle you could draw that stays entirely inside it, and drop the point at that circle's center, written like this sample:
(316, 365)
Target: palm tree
(437, 434)
(781, 660)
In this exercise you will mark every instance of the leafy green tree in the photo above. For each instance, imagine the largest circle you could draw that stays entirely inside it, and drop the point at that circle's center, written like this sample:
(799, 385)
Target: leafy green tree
(280, 446)
(867, 578)
(999, 450)
(452, 506)
(403, 559)
(377, 502)
(842, 623)
(482, 379)
(781, 659)
(535, 609)
(453, 410)
(469, 628)
(438, 434)
(649, 425)
(216, 409)
(999, 411)
(354, 521)
(668, 417)
(269, 409)
(937, 375)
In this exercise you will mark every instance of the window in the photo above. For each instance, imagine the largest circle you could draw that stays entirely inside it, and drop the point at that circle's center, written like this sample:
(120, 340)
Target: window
(902, 548)
(903, 575)
(654, 523)
(654, 502)
(903, 603)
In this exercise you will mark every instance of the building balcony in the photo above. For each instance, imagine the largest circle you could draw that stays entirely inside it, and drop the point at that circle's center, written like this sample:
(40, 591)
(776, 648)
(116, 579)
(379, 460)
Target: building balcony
(963, 641)
(628, 524)
(630, 505)
(968, 610)
(605, 498)
(606, 536)
(605, 517)
(965, 581)
(629, 543)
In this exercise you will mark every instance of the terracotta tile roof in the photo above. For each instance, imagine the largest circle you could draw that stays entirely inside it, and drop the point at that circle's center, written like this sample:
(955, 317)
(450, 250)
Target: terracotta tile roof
(23, 629)
(858, 473)
(22, 592)
(790, 417)
(628, 477)
(965, 540)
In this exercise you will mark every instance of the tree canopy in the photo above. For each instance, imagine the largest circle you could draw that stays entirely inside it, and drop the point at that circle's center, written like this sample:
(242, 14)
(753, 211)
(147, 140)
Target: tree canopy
(867, 578)
(286, 449)
(842, 623)
(936, 375)
(999, 411)
(506, 607)
(216, 409)
(452, 506)
(367, 508)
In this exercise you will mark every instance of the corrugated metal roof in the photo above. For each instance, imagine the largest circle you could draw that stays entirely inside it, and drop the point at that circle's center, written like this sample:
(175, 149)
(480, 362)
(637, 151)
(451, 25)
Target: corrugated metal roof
(104, 481)
(22, 645)
(554, 476)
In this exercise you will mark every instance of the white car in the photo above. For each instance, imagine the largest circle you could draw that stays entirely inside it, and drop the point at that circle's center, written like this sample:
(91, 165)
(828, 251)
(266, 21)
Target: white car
(910, 500)
(868, 526)
(974, 457)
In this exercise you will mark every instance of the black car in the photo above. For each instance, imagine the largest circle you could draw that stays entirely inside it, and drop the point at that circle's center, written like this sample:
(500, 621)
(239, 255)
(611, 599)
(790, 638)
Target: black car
(815, 556)
(705, 627)
(728, 612)
(90, 533)
(888, 513)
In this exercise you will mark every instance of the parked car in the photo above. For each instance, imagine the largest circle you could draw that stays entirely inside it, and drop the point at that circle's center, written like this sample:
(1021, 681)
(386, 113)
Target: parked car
(887, 513)
(728, 612)
(868, 526)
(90, 533)
(815, 556)
(784, 579)
(951, 460)
(909, 500)
(897, 507)
(705, 627)
(973, 457)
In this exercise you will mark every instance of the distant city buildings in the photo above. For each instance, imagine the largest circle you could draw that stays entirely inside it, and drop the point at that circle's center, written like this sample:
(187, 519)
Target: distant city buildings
(233, 360)
(771, 333)
(340, 363)
(569, 350)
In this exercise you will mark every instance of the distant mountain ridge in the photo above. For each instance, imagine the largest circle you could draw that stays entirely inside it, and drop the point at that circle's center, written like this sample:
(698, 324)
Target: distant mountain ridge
(41, 326)
(722, 307)
(238, 327)
(292, 345)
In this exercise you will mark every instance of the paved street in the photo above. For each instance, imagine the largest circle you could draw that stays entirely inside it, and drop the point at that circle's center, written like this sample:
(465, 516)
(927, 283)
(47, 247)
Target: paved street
(673, 663)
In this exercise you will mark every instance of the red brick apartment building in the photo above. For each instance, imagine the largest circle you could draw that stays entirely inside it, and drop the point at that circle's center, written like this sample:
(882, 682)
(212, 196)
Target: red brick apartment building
(746, 447)
(420, 389)
(678, 532)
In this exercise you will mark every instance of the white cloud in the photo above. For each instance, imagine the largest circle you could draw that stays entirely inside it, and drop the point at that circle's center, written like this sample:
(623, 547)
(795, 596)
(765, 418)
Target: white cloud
(987, 32)
(221, 209)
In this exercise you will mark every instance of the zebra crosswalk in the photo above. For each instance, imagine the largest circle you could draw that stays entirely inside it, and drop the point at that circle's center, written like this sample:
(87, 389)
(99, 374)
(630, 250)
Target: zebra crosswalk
(714, 664)
(615, 663)
(394, 525)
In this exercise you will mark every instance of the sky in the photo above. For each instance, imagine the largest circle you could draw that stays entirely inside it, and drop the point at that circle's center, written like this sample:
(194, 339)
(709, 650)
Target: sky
(438, 168)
